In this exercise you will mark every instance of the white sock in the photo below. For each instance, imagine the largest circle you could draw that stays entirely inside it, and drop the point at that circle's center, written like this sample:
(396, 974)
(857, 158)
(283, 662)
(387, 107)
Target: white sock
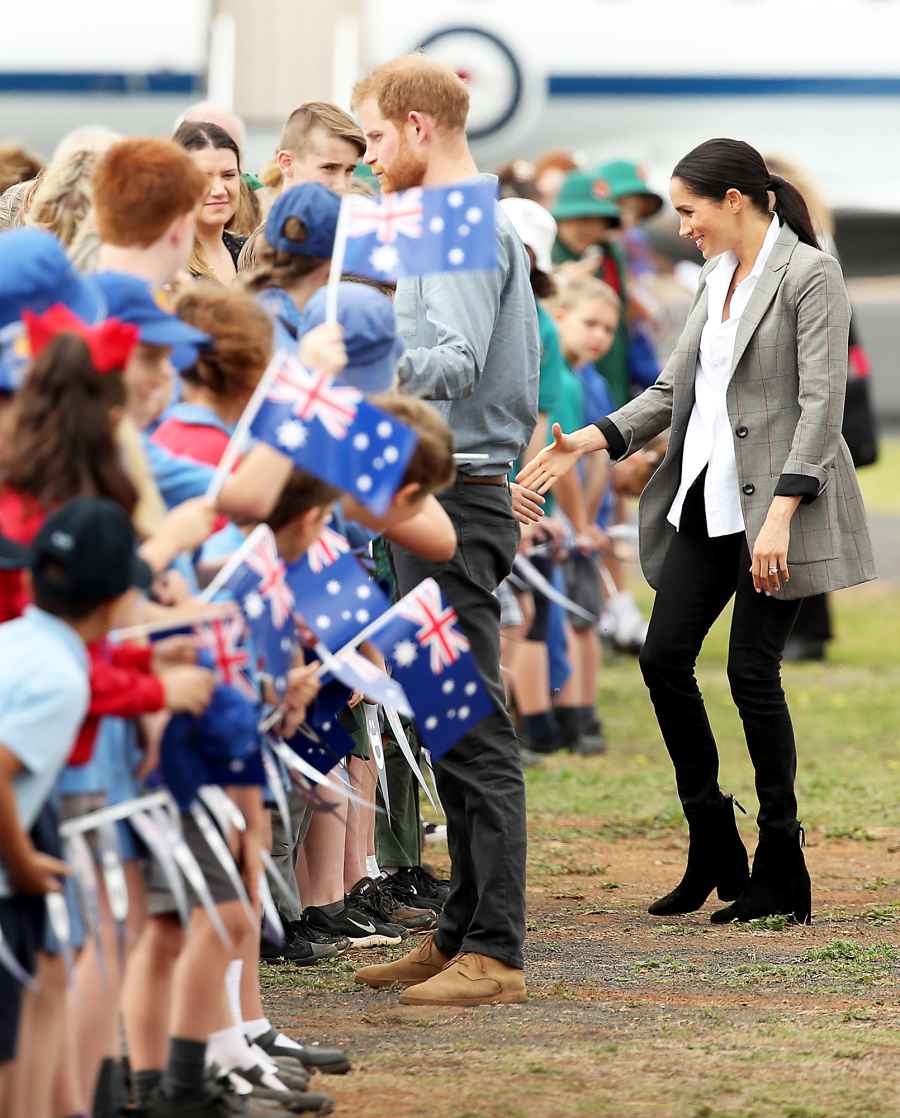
(372, 867)
(229, 1049)
(233, 989)
(256, 1028)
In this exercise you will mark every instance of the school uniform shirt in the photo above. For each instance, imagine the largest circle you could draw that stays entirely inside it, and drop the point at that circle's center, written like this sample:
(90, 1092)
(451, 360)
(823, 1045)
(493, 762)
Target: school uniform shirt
(177, 479)
(285, 316)
(43, 700)
(193, 431)
(709, 441)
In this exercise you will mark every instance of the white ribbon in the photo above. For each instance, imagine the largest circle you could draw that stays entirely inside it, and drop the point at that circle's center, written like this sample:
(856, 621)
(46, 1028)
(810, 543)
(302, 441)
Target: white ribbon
(276, 786)
(402, 741)
(187, 863)
(222, 808)
(78, 855)
(532, 575)
(373, 732)
(58, 916)
(9, 962)
(273, 871)
(270, 912)
(156, 840)
(219, 847)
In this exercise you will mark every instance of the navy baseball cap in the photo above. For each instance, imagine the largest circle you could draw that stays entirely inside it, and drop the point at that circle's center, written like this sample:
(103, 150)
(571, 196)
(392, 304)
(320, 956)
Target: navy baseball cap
(303, 220)
(370, 335)
(35, 273)
(134, 300)
(84, 554)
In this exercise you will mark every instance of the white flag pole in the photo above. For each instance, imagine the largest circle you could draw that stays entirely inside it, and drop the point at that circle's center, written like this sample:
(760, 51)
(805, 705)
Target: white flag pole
(337, 263)
(237, 442)
(234, 561)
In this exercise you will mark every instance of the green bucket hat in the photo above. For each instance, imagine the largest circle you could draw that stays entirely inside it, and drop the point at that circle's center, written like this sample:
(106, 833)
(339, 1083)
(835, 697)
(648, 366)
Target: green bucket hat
(626, 178)
(585, 195)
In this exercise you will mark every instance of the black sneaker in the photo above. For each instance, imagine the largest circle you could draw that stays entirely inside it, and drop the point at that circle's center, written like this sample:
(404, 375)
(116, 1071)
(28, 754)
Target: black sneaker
(414, 886)
(313, 1057)
(431, 886)
(297, 950)
(361, 929)
(312, 933)
(371, 897)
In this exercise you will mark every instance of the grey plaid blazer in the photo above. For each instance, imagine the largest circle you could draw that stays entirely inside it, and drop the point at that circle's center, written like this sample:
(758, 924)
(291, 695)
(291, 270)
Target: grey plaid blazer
(785, 402)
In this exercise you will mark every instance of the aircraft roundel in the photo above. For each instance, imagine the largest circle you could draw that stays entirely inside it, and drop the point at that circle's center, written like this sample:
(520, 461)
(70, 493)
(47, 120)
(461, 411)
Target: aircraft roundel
(488, 67)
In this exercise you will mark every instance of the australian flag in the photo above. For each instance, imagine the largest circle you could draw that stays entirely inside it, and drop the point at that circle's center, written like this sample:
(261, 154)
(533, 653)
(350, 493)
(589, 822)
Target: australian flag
(431, 659)
(416, 232)
(325, 741)
(222, 648)
(258, 583)
(330, 431)
(334, 595)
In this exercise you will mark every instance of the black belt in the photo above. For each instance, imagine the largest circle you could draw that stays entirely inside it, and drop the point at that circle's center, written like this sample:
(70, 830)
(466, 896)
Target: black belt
(496, 479)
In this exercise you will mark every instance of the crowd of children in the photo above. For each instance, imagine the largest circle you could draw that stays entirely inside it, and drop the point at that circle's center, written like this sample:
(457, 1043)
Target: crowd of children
(145, 286)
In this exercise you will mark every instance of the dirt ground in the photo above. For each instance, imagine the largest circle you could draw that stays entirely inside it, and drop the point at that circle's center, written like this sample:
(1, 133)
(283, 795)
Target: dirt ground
(632, 1016)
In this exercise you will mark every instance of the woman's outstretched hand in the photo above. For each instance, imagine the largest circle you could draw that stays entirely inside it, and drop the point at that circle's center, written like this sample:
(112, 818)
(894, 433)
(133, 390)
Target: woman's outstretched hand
(555, 460)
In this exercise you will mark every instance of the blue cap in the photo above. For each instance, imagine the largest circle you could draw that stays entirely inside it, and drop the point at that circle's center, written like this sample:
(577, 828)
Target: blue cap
(35, 274)
(134, 300)
(370, 335)
(316, 208)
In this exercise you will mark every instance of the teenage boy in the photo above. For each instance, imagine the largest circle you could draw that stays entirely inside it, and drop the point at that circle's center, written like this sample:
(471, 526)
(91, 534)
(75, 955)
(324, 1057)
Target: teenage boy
(472, 343)
(82, 563)
(319, 143)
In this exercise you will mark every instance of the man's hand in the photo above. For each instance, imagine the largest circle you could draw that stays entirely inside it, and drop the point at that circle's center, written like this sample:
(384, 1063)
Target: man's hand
(188, 689)
(37, 873)
(527, 507)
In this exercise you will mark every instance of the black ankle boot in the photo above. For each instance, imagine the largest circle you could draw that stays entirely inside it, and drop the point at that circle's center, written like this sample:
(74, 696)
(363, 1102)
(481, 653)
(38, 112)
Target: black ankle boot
(779, 884)
(717, 860)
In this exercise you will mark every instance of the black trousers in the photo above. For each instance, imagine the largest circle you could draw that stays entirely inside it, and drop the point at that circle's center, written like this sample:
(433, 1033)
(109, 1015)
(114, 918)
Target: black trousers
(699, 577)
(480, 780)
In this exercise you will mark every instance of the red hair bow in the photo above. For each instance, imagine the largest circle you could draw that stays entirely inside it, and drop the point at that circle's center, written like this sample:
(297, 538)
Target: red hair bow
(110, 343)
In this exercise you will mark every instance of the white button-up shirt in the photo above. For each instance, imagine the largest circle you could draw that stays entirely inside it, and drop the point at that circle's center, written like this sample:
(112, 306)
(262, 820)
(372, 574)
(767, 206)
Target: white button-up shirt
(709, 441)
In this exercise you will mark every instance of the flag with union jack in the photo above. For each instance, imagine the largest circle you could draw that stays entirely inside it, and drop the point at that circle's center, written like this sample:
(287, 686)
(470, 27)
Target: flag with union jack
(337, 602)
(330, 431)
(225, 644)
(431, 659)
(420, 231)
(256, 577)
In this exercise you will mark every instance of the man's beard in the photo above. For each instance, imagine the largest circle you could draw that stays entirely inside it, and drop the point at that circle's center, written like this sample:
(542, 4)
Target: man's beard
(406, 171)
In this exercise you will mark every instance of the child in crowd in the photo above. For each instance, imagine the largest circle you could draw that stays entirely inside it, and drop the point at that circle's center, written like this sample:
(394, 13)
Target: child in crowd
(82, 565)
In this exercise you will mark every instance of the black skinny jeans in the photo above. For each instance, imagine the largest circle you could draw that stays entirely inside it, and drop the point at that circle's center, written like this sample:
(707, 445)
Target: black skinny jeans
(699, 577)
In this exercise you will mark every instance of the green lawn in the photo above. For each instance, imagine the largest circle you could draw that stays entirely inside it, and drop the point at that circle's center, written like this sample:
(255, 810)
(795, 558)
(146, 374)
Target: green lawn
(881, 482)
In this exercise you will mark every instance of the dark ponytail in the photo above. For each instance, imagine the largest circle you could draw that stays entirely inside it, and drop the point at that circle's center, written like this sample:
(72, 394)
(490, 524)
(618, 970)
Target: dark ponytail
(62, 440)
(717, 166)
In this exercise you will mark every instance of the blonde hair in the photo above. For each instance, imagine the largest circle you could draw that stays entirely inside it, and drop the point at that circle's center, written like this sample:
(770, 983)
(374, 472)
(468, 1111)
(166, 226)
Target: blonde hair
(64, 196)
(574, 288)
(819, 211)
(318, 114)
(248, 214)
(415, 83)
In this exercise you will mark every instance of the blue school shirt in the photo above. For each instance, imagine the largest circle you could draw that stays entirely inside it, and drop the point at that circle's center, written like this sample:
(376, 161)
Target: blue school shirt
(598, 404)
(285, 316)
(44, 695)
(177, 479)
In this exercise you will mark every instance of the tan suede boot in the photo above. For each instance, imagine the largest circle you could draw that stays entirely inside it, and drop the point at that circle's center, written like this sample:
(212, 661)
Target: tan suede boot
(470, 980)
(420, 964)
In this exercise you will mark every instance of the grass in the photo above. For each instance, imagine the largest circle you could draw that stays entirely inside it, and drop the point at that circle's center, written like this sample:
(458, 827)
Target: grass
(879, 482)
(634, 1019)
(845, 715)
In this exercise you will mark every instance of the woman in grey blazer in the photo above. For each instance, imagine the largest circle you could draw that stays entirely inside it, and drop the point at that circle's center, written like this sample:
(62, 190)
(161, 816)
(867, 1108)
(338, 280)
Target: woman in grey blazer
(756, 499)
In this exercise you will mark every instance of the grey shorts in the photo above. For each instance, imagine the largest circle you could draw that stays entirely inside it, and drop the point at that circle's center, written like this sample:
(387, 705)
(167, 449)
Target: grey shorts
(583, 587)
(161, 902)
